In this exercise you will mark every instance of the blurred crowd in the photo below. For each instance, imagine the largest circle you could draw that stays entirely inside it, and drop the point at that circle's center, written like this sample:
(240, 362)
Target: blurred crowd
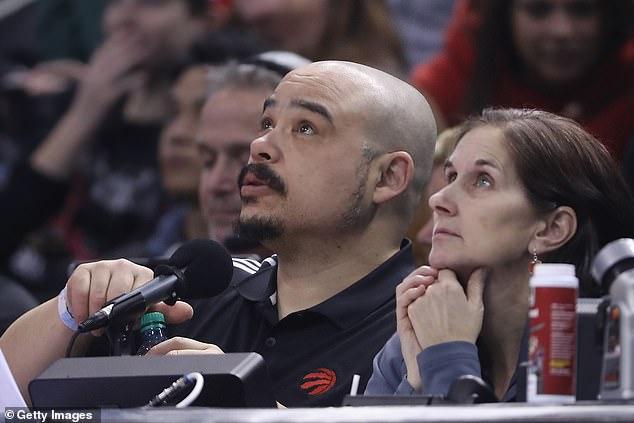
(117, 141)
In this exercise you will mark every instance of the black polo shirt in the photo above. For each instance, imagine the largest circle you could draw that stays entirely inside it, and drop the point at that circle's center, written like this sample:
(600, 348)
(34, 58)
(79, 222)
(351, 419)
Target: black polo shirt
(311, 355)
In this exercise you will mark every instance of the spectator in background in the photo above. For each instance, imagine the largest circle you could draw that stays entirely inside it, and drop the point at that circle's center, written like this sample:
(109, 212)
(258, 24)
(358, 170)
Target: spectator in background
(421, 26)
(180, 166)
(34, 190)
(99, 163)
(179, 172)
(570, 57)
(355, 30)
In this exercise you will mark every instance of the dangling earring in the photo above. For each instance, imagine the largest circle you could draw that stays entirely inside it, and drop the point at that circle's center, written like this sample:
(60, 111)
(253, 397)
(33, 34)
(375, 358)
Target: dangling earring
(535, 260)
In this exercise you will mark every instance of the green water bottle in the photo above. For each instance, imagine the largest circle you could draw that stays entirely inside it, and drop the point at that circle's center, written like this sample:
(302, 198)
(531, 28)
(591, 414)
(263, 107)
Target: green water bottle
(153, 331)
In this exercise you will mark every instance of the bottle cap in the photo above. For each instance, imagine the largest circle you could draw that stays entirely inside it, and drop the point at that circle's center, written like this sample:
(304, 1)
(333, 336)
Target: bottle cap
(154, 319)
(555, 275)
(554, 269)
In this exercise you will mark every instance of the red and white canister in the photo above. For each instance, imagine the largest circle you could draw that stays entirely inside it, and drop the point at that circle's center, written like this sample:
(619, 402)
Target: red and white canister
(552, 341)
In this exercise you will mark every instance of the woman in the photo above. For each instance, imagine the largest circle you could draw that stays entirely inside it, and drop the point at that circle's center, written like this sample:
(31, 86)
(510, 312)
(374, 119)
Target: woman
(522, 186)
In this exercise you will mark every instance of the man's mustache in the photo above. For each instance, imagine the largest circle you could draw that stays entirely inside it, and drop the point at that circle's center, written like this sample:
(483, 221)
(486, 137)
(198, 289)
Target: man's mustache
(265, 174)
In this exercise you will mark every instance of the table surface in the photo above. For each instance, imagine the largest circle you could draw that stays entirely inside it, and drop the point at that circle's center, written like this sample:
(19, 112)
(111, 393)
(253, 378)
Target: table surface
(590, 412)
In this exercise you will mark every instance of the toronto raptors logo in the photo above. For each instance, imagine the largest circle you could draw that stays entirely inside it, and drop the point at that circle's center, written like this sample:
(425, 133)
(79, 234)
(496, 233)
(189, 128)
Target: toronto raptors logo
(319, 381)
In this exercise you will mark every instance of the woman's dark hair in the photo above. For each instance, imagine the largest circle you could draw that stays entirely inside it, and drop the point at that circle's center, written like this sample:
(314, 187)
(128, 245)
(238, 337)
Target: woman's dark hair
(494, 43)
(560, 164)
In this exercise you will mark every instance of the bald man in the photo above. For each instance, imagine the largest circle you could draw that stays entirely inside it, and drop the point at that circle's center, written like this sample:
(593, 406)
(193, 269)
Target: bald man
(332, 182)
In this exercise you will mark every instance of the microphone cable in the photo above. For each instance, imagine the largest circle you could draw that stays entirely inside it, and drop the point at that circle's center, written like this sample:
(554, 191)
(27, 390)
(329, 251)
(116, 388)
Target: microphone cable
(71, 343)
(177, 387)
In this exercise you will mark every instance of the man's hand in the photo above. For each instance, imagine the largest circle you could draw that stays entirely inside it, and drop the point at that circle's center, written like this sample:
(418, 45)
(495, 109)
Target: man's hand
(93, 284)
(183, 346)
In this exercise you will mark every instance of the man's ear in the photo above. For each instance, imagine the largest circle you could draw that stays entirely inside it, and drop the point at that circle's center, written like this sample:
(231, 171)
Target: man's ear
(396, 173)
(560, 226)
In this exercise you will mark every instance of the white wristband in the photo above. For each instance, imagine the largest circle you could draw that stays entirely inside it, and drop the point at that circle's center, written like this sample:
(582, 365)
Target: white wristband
(64, 312)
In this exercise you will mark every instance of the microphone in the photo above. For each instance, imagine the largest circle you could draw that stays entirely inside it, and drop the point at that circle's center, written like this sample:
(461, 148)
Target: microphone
(198, 269)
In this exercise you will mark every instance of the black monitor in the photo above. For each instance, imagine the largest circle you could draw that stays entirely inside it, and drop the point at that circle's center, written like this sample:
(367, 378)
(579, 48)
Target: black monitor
(231, 380)
(589, 355)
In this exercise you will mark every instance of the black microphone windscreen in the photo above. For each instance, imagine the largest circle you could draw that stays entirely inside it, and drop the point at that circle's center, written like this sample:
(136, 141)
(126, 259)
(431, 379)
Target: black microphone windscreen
(208, 268)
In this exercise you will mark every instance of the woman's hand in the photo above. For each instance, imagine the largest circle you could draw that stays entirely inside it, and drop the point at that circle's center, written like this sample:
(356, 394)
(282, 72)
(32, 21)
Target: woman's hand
(412, 287)
(445, 313)
(110, 73)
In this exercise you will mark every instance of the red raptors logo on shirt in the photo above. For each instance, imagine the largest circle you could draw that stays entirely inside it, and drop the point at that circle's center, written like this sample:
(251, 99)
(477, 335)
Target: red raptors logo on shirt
(319, 381)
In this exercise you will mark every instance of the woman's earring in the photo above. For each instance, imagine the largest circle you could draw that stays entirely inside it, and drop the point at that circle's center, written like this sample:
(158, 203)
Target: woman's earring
(534, 261)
